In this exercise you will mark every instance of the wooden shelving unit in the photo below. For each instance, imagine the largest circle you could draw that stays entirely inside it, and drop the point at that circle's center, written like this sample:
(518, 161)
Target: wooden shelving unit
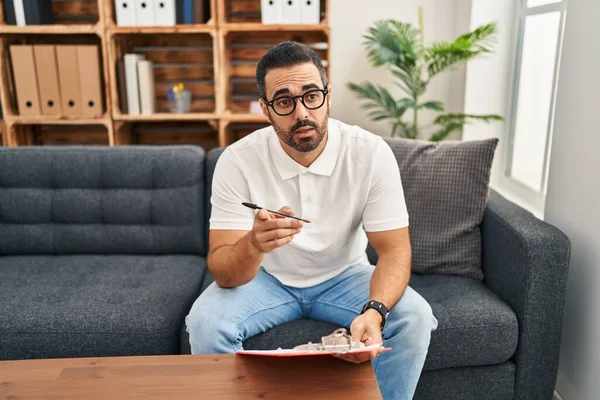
(258, 27)
(167, 117)
(161, 30)
(216, 60)
(230, 117)
(51, 29)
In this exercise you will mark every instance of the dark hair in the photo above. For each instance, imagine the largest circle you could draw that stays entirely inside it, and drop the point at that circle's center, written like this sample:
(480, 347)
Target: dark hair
(286, 54)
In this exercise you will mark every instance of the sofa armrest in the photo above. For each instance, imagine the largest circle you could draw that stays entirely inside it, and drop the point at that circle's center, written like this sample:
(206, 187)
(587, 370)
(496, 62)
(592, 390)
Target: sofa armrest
(525, 263)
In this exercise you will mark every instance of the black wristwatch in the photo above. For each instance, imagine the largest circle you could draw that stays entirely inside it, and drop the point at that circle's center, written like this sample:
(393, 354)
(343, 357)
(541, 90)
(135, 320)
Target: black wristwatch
(381, 309)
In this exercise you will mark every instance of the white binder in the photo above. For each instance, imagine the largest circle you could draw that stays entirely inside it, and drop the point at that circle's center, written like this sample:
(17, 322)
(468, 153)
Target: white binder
(146, 84)
(144, 12)
(291, 12)
(125, 10)
(19, 12)
(164, 12)
(131, 82)
(271, 11)
(310, 11)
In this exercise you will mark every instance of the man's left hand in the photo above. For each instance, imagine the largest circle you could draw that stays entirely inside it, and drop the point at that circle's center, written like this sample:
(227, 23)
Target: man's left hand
(367, 329)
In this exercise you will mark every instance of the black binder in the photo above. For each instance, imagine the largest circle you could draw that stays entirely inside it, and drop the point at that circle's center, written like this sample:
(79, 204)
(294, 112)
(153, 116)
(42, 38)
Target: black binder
(9, 12)
(38, 12)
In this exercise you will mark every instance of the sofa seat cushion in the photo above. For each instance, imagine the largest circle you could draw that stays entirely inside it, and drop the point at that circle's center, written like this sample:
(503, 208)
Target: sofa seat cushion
(475, 326)
(80, 306)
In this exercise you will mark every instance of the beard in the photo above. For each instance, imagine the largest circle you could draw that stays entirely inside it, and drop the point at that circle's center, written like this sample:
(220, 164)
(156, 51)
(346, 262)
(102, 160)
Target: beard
(306, 144)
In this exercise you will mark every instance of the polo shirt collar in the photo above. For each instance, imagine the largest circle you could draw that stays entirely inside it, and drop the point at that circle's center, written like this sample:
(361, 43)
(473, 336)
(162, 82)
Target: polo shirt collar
(323, 165)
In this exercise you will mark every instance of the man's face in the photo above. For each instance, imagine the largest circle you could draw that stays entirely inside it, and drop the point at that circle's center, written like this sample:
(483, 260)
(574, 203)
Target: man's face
(304, 128)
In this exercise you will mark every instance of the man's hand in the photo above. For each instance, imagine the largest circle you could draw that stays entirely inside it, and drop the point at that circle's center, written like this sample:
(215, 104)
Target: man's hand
(367, 329)
(272, 231)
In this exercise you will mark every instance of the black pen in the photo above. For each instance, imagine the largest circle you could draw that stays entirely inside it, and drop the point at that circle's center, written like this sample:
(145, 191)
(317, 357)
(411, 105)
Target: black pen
(255, 207)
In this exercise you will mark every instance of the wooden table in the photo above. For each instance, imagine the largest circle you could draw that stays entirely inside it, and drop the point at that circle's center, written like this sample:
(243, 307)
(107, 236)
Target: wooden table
(217, 377)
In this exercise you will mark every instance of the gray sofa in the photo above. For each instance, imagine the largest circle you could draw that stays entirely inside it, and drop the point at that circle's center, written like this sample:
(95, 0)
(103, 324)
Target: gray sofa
(103, 251)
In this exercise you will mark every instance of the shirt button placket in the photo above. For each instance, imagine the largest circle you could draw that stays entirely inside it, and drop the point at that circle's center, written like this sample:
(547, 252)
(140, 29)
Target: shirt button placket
(305, 195)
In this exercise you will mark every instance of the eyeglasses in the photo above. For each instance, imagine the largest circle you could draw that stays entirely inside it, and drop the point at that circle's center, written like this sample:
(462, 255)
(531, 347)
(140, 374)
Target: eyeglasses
(286, 105)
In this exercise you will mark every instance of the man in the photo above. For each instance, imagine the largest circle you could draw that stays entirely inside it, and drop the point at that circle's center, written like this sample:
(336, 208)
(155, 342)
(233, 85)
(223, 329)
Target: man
(270, 270)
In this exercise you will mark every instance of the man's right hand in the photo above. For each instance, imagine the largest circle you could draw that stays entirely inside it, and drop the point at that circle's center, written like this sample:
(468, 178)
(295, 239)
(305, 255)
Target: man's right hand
(272, 231)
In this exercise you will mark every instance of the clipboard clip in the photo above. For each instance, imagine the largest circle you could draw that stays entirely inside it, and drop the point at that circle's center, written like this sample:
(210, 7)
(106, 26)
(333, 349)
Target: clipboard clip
(336, 341)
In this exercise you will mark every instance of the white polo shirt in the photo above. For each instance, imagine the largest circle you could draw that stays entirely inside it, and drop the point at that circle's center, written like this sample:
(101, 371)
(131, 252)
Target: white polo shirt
(352, 187)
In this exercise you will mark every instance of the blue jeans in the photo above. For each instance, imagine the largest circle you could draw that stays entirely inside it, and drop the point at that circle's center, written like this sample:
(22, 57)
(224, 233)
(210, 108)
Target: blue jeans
(221, 319)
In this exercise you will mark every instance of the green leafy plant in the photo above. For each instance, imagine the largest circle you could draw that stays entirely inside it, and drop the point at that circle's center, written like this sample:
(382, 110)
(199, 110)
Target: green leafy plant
(400, 47)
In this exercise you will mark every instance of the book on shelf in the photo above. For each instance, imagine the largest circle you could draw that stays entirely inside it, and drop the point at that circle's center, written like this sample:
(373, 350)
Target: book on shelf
(161, 12)
(137, 76)
(146, 85)
(164, 12)
(125, 13)
(28, 12)
(25, 80)
(144, 12)
(88, 60)
(122, 87)
(57, 80)
(46, 68)
(132, 83)
(290, 11)
(69, 79)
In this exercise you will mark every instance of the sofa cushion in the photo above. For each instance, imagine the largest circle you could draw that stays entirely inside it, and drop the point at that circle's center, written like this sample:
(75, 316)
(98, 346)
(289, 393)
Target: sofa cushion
(81, 306)
(446, 188)
(475, 326)
(102, 200)
(211, 162)
(487, 382)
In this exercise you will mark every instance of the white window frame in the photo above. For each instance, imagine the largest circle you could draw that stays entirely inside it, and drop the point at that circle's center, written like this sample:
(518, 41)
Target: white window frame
(533, 197)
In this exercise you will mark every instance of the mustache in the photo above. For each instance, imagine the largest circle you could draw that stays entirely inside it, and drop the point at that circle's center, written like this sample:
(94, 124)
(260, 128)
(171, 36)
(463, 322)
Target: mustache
(302, 124)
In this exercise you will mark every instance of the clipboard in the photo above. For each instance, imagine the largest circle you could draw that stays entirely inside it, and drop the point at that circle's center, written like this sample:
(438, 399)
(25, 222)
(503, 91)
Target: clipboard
(337, 342)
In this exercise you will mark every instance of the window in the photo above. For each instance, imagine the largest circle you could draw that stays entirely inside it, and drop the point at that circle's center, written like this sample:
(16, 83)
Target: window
(537, 55)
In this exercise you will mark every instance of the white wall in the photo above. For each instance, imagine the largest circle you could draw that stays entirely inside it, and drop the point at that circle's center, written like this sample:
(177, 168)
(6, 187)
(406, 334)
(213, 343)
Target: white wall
(350, 20)
(572, 202)
(488, 90)
(573, 198)
(487, 83)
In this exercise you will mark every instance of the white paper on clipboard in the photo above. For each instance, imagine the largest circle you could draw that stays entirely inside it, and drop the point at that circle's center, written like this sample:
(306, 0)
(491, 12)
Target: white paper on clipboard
(339, 342)
(297, 353)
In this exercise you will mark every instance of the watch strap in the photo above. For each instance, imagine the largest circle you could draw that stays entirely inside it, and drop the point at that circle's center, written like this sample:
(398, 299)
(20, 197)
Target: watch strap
(380, 308)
